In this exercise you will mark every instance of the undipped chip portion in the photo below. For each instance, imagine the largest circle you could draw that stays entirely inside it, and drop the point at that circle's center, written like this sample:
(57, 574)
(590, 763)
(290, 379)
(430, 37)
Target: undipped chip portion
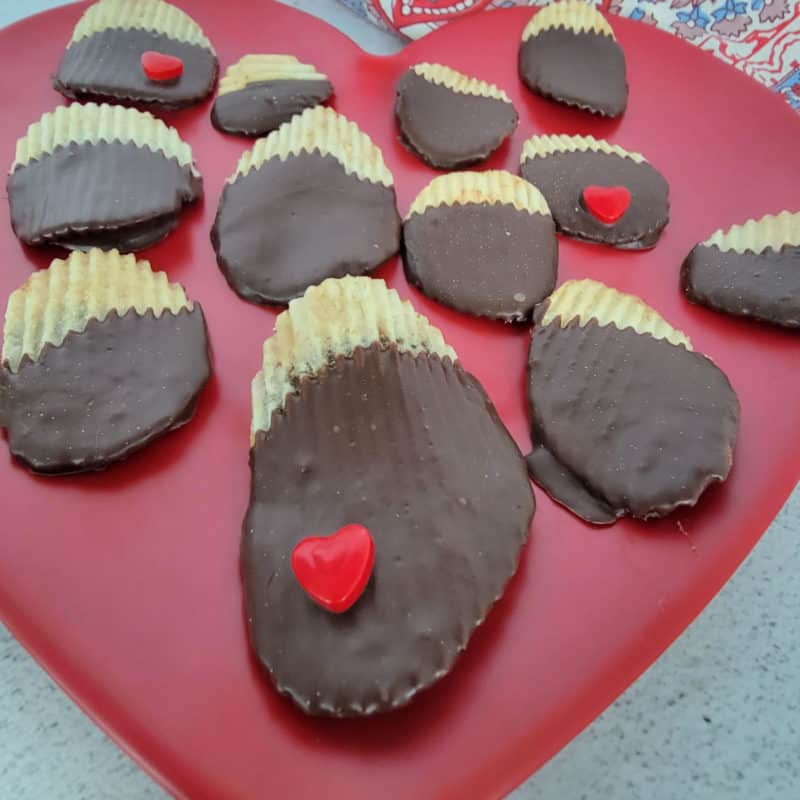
(324, 131)
(589, 300)
(772, 231)
(458, 81)
(572, 15)
(91, 123)
(750, 270)
(150, 15)
(257, 67)
(490, 186)
(333, 319)
(68, 294)
(543, 146)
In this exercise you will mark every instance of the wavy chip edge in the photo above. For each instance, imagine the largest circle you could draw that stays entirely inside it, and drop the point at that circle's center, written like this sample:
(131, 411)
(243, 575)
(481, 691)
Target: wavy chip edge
(572, 15)
(495, 187)
(150, 15)
(587, 300)
(327, 132)
(63, 298)
(90, 123)
(333, 319)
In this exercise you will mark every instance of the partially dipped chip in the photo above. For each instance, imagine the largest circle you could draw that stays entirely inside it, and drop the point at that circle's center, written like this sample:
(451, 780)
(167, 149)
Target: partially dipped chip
(569, 54)
(483, 243)
(363, 417)
(260, 92)
(451, 120)
(750, 270)
(597, 191)
(625, 417)
(116, 41)
(101, 355)
(100, 176)
(312, 200)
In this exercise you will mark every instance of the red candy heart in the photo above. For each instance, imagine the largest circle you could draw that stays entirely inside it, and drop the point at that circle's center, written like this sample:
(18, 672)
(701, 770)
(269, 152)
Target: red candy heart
(333, 570)
(606, 203)
(161, 67)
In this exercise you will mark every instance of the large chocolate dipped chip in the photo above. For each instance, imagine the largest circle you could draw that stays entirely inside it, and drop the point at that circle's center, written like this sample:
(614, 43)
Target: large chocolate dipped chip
(286, 222)
(625, 417)
(262, 91)
(563, 168)
(100, 176)
(451, 120)
(411, 448)
(483, 243)
(750, 270)
(569, 54)
(104, 57)
(363, 416)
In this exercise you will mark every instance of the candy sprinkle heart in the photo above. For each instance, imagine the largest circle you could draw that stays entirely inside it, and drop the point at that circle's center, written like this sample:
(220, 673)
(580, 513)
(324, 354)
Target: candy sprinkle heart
(606, 203)
(161, 67)
(334, 570)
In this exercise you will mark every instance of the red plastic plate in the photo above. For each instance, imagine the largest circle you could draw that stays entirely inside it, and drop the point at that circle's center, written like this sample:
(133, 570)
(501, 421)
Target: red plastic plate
(125, 585)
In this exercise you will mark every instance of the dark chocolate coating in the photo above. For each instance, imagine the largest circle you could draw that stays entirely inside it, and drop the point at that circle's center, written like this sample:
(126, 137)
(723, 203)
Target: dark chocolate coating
(561, 177)
(448, 129)
(107, 66)
(585, 69)
(412, 448)
(108, 194)
(290, 224)
(263, 106)
(763, 286)
(106, 392)
(643, 424)
(552, 476)
(489, 260)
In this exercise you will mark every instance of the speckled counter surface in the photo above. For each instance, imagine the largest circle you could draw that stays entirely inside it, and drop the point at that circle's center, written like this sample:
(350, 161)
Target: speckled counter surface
(716, 718)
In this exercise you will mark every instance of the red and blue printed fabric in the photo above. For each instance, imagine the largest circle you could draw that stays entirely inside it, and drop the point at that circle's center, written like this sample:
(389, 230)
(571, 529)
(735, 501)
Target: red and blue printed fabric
(759, 37)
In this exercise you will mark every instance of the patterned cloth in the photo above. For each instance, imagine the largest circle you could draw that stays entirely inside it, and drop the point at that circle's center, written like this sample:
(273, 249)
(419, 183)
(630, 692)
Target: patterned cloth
(759, 37)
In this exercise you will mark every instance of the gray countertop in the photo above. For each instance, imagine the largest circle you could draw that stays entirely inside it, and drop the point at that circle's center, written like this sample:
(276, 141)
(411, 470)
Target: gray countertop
(716, 717)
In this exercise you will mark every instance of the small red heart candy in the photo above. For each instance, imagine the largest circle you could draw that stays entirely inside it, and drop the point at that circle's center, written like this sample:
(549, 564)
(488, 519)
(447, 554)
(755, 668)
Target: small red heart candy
(334, 570)
(161, 67)
(606, 203)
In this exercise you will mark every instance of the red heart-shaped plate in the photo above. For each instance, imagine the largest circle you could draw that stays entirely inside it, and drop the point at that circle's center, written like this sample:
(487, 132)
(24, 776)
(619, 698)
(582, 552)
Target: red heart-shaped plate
(125, 585)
